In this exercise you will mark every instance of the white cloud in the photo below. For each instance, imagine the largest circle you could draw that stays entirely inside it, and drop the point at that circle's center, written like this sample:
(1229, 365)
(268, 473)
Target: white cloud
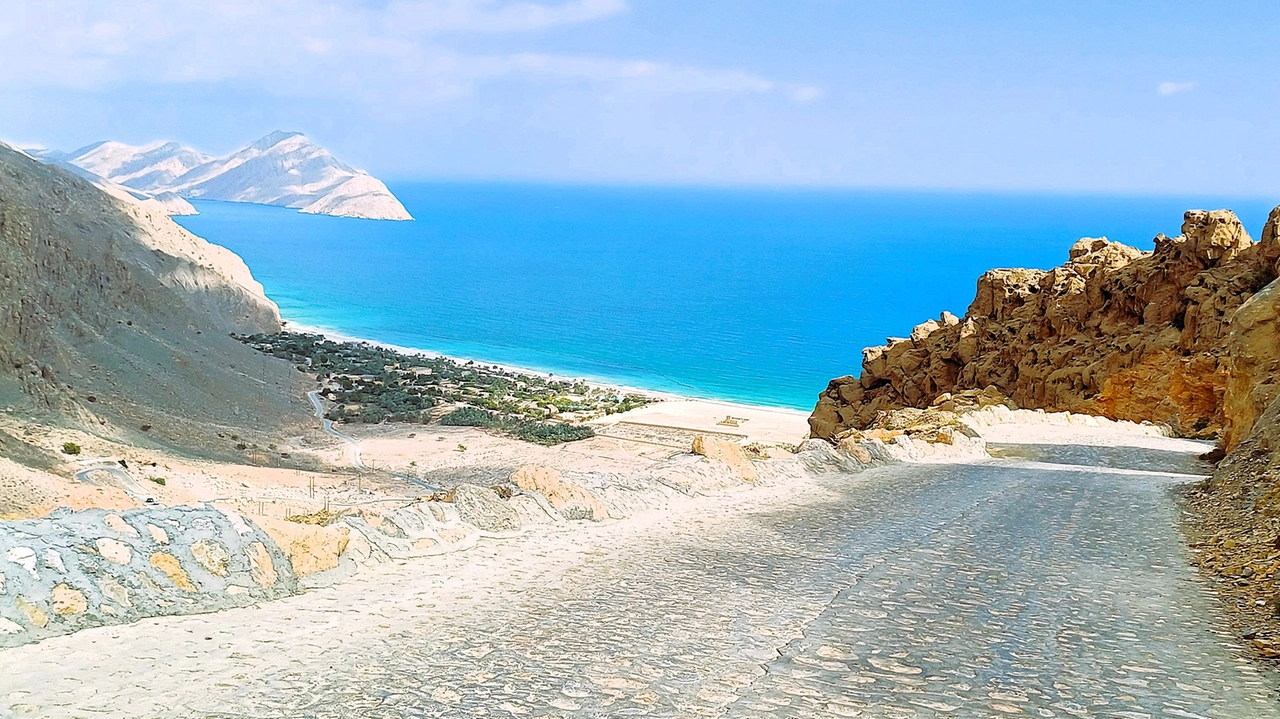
(807, 93)
(386, 53)
(1173, 88)
(88, 43)
(635, 73)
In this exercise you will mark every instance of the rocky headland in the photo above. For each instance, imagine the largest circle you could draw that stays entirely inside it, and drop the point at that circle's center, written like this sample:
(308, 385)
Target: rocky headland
(1186, 336)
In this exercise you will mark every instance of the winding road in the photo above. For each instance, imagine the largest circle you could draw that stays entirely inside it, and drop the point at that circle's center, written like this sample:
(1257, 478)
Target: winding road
(356, 461)
(122, 479)
(995, 589)
(327, 425)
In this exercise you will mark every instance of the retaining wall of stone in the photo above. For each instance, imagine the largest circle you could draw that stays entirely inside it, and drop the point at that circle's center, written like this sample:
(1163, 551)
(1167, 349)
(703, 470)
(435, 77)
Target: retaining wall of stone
(74, 570)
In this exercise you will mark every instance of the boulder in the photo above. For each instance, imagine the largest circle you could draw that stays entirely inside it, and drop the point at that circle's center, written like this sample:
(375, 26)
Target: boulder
(723, 450)
(568, 498)
(310, 548)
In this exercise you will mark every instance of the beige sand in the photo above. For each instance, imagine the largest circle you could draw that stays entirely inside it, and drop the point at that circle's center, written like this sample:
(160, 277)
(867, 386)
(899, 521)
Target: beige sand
(766, 425)
(438, 455)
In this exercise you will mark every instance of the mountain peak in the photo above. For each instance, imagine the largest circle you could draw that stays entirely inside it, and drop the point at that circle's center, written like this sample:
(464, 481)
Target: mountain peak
(275, 138)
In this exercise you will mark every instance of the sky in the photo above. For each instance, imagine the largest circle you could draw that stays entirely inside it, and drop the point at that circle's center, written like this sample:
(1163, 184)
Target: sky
(1084, 96)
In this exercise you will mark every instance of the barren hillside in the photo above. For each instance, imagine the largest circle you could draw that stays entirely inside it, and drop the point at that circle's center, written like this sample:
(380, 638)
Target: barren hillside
(114, 318)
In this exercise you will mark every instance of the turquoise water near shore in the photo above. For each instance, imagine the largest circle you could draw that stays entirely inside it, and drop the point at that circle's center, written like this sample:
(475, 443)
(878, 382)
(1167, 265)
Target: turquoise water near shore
(749, 295)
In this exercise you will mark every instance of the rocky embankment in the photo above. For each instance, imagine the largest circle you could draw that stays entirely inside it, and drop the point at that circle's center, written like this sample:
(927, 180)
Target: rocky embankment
(75, 570)
(1114, 332)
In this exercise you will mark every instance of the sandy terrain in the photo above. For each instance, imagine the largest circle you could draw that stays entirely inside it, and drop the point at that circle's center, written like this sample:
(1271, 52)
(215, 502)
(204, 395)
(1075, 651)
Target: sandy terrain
(438, 455)
(624, 442)
(766, 425)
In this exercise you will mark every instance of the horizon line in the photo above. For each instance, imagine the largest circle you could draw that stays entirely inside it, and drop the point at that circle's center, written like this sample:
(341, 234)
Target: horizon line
(812, 187)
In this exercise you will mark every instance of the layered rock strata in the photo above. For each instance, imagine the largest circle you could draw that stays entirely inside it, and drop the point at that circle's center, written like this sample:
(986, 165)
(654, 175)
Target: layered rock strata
(1114, 332)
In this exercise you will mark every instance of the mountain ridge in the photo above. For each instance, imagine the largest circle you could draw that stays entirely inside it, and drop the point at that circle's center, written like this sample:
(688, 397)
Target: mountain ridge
(284, 169)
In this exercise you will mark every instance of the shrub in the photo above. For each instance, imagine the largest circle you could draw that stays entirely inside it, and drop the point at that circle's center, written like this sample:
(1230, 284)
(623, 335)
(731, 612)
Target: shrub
(469, 417)
(545, 433)
(70, 448)
(157, 480)
(551, 433)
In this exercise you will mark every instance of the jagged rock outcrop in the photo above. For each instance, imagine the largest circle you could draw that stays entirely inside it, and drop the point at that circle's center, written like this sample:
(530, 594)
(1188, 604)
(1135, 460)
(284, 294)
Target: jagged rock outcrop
(1114, 332)
(1253, 382)
(111, 315)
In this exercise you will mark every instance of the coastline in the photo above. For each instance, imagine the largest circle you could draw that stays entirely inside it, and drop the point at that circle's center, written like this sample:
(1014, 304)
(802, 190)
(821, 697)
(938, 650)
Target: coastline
(597, 382)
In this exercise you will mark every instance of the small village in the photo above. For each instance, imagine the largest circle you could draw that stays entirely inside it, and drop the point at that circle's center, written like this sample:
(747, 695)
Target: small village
(370, 384)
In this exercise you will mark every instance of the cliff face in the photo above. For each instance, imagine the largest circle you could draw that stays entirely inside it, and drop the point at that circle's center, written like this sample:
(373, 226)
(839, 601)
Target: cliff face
(1113, 332)
(110, 311)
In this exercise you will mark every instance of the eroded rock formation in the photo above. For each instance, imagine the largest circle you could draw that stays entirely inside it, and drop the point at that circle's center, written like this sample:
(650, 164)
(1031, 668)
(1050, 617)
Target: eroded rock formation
(1114, 332)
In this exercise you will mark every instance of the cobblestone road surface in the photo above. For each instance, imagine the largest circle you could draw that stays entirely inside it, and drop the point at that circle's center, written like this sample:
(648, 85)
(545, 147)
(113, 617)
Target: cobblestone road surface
(994, 590)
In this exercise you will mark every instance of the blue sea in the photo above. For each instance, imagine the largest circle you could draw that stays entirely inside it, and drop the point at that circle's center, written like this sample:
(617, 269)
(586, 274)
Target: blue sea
(751, 295)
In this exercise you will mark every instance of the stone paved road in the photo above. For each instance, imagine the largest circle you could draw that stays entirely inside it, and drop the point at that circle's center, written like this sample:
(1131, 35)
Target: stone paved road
(995, 590)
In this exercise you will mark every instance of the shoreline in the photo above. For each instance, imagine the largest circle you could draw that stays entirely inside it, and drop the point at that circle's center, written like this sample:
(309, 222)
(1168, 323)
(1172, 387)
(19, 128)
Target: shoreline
(288, 325)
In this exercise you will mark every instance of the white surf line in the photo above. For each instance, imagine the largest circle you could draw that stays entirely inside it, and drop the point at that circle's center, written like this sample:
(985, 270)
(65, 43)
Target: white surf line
(1057, 467)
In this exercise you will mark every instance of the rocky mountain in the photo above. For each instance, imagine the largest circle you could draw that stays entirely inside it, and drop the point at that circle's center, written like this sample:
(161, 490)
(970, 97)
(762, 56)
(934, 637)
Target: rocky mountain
(287, 169)
(150, 168)
(115, 319)
(283, 168)
(1113, 332)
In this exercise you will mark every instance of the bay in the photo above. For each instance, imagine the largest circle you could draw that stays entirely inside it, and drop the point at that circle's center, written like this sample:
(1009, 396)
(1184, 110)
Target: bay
(750, 295)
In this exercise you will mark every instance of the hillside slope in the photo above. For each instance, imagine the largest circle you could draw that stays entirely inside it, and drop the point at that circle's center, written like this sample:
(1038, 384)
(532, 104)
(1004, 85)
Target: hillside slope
(114, 318)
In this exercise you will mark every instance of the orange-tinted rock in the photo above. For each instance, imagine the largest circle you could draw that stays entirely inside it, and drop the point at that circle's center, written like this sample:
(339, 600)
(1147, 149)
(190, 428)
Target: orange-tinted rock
(68, 601)
(172, 569)
(1254, 345)
(723, 450)
(261, 568)
(570, 499)
(310, 548)
(1114, 331)
(34, 614)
